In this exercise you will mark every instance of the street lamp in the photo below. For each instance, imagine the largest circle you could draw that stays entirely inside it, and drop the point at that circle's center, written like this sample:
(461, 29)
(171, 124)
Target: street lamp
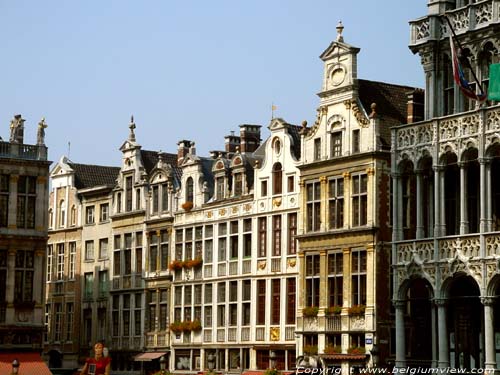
(272, 357)
(15, 366)
(375, 353)
(163, 364)
(211, 361)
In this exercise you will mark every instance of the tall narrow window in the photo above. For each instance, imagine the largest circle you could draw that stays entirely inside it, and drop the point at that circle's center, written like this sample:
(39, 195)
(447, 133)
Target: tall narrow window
(336, 203)
(104, 214)
(164, 197)
(103, 283)
(138, 199)
(60, 261)
(49, 263)
(24, 271)
(153, 252)
(247, 238)
(138, 253)
(238, 184)
(277, 178)
(163, 250)
(73, 216)
(313, 206)
(291, 302)
(448, 86)
(26, 198)
(126, 315)
(317, 149)
(90, 215)
(103, 248)
(335, 279)
(128, 193)
(359, 200)
(72, 260)
(262, 244)
(275, 301)
(127, 254)
(261, 302)
(70, 310)
(119, 202)
(89, 250)
(358, 274)
(292, 232)
(233, 240)
(155, 199)
(88, 290)
(312, 280)
(219, 183)
(277, 235)
(58, 322)
(189, 190)
(263, 188)
(3, 278)
(336, 145)
(4, 199)
(355, 141)
(62, 214)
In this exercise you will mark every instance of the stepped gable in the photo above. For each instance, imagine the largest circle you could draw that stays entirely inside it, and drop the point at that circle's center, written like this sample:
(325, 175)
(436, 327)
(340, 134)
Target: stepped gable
(88, 175)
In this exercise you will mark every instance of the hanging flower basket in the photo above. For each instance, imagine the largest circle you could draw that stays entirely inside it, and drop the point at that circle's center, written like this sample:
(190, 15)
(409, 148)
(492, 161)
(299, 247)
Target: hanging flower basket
(310, 349)
(187, 206)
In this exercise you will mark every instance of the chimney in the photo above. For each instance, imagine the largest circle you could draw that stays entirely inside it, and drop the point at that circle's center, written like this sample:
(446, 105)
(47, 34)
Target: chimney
(182, 150)
(415, 106)
(231, 142)
(249, 137)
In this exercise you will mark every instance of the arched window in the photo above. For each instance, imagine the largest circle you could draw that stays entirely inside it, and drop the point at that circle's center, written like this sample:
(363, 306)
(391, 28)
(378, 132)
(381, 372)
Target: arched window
(51, 217)
(62, 213)
(73, 215)
(448, 86)
(277, 179)
(189, 190)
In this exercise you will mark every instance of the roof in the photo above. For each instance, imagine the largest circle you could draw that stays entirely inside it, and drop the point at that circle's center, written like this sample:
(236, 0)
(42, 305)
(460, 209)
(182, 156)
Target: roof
(294, 131)
(87, 175)
(30, 363)
(150, 159)
(391, 100)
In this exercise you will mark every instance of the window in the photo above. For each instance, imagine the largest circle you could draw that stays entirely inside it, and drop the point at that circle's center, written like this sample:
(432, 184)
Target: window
(222, 242)
(138, 199)
(127, 254)
(448, 86)
(119, 202)
(263, 188)
(49, 263)
(277, 235)
(26, 199)
(336, 203)
(72, 259)
(291, 184)
(277, 179)
(62, 214)
(89, 215)
(291, 301)
(104, 214)
(335, 279)
(88, 288)
(336, 139)
(73, 216)
(317, 149)
(70, 310)
(355, 141)
(126, 315)
(359, 200)
(103, 283)
(275, 301)
(138, 253)
(89, 250)
(128, 193)
(163, 250)
(3, 275)
(238, 184)
(115, 315)
(313, 206)
(262, 245)
(247, 238)
(60, 261)
(24, 271)
(58, 322)
(164, 197)
(233, 240)
(358, 274)
(155, 199)
(312, 280)
(246, 297)
(219, 184)
(292, 232)
(103, 248)
(261, 302)
(4, 199)
(189, 190)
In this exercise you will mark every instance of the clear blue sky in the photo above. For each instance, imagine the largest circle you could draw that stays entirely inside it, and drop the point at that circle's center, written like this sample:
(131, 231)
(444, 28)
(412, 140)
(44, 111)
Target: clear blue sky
(185, 69)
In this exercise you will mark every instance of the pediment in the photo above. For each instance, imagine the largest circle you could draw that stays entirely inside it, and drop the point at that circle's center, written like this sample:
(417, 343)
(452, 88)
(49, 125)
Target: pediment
(61, 168)
(336, 49)
(277, 123)
(127, 145)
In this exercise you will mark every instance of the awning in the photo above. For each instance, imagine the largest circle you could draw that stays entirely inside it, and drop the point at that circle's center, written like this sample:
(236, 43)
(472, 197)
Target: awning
(147, 357)
(29, 363)
(344, 357)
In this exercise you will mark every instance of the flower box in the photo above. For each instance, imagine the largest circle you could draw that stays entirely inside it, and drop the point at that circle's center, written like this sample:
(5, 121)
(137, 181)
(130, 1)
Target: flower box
(176, 265)
(193, 263)
(333, 310)
(310, 311)
(331, 349)
(310, 349)
(357, 310)
(356, 350)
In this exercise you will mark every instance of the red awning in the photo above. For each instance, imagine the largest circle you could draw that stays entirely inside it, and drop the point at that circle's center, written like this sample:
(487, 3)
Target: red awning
(146, 357)
(345, 357)
(30, 363)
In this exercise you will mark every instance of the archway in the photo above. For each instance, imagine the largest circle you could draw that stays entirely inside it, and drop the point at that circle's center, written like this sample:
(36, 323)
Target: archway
(55, 359)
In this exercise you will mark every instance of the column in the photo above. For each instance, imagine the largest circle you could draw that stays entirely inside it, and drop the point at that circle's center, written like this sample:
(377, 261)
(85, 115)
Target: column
(434, 336)
(39, 270)
(9, 293)
(464, 222)
(371, 192)
(323, 278)
(323, 216)
(397, 231)
(347, 200)
(489, 200)
(437, 200)
(400, 333)
(301, 283)
(420, 219)
(444, 352)
(482, 189)
(371, 288)
(489, 333)
(12, 218)
(347, 297)
(40, 208)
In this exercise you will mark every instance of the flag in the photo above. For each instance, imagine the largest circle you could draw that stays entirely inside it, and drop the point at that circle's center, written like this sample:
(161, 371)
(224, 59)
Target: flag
(273, 108)
(459, 76)
(494, 86)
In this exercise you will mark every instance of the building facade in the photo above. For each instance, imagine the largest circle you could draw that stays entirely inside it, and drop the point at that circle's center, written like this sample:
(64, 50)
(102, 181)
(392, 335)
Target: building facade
(446, 200)
(344, 225)
(24, 182)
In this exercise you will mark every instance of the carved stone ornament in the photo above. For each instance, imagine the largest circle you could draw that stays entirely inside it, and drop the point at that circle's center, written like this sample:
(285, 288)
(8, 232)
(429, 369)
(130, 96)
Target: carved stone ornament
(357, 322)
(358, 112)
(274, 333)
(292, 262)
(247, 207)
(261, 264)
(222, 212)
(276, 202)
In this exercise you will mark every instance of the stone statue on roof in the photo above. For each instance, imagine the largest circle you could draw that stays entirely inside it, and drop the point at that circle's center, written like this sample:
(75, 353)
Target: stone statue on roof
(17, 129)
(40, 135)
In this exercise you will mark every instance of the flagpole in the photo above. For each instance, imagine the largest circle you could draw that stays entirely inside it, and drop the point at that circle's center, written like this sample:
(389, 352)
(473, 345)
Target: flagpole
(466, 59)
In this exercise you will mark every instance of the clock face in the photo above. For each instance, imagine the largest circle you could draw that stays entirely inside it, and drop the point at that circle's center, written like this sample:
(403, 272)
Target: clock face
(337, 76)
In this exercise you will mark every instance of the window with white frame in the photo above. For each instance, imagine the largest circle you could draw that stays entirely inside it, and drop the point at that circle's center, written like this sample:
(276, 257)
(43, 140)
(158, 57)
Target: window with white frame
(358, 274)
(313, 205)
(89, 250)
(72, 259)
(60, 261)
(103, 248)
(359, 199)
(49, 262)
(104, 214)
(90, 215)
(335, 278)
(336, 202)
(312, 280)
(336, 144)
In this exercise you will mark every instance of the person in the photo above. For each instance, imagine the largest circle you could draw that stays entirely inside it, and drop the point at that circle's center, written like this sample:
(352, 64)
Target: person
(99, 365)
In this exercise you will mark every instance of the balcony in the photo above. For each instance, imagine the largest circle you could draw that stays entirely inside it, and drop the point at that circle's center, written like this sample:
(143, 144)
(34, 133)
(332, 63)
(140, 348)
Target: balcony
(475, 16)
(23, 151)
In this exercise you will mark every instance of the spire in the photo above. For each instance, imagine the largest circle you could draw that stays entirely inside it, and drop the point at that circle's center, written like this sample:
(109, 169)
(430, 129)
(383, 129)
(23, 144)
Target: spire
(131, 136)
(340, 28)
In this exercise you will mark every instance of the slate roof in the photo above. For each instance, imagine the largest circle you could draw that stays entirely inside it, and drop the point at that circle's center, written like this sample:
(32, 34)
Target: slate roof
(87, 175)
(391, 103)
(150, 159)
(294, 131)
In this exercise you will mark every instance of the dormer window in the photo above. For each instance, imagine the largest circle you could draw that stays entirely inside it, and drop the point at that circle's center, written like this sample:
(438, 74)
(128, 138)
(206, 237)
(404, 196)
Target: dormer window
(219, 191)
(164, 197)
(355, 141)
(277, 179)
(128, 193)
(317, 149)
(189, 190)
(238, 184)
(119, 202)
(336, 144)
(62, 213)
(156, 189)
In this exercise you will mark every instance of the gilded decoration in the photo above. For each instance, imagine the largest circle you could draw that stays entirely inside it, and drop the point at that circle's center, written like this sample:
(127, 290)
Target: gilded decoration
(276, 202)
(261, 264)
(292, 263)
(247, 207)
(210, 214)
(274, 333)
(222, 212)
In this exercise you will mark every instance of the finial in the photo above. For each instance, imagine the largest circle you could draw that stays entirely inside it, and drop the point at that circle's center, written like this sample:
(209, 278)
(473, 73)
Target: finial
(131, 126)
(373, 107)
(340, 28)
(304, 124)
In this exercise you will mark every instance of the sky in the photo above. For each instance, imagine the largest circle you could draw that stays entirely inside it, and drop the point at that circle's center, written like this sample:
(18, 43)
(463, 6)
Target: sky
(185, 69)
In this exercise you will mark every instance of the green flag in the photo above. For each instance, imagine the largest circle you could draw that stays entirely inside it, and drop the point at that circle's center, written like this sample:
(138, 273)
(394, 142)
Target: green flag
(494, 86)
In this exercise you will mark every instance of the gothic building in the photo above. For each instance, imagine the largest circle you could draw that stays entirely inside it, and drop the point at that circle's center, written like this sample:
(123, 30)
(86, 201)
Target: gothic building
(447, 199)
(344, 228)
(24, 185)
